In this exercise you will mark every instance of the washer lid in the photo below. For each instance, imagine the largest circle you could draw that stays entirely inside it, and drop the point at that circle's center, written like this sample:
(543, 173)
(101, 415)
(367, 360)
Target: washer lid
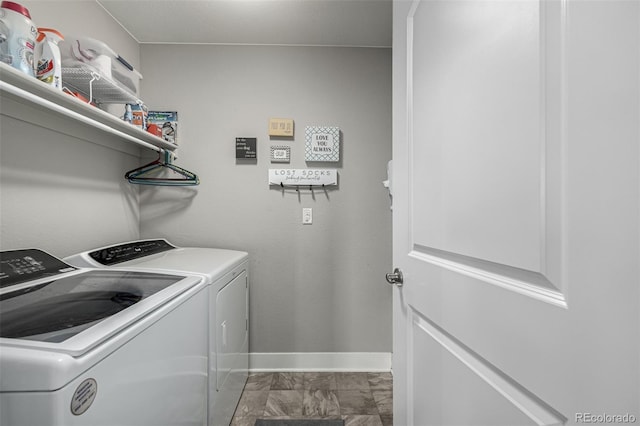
(38, 359)
(54, 311)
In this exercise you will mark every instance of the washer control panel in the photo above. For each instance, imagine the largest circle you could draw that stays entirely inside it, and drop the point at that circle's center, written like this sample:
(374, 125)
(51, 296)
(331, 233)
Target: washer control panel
(18, 266)
(129, 251)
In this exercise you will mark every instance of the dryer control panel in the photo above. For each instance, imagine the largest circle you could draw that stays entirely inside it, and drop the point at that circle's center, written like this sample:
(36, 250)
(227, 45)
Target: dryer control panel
(129, 251)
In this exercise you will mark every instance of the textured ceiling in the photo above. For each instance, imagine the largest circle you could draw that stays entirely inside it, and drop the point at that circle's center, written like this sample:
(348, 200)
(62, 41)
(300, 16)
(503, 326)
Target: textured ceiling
(276, 22)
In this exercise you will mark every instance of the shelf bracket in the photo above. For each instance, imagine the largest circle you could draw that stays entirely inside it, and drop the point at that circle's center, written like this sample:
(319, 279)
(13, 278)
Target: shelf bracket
(94, 77)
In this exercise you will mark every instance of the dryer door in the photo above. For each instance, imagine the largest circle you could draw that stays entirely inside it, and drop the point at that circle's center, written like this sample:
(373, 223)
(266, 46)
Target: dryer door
(232, 349)
(232, 335)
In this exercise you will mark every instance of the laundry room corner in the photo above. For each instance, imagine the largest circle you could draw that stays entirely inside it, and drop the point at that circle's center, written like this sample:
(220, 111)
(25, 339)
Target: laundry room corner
(317, 290)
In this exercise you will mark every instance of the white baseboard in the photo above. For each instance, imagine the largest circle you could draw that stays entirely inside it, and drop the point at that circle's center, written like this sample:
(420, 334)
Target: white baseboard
(320, 361)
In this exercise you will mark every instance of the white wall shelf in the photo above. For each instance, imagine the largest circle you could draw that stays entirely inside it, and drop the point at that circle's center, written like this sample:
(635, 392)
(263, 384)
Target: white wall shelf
(27, 90)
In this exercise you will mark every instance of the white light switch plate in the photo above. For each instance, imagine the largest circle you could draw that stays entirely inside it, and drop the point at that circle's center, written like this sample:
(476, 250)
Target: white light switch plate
(307, 215)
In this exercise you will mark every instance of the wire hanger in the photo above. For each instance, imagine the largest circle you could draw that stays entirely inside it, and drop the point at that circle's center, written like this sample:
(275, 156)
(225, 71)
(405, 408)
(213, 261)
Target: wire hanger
(140, 175)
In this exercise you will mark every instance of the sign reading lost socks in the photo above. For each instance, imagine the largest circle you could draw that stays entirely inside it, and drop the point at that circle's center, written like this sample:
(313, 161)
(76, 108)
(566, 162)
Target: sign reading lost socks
(322, 143)
(246, 148)
(297, 177)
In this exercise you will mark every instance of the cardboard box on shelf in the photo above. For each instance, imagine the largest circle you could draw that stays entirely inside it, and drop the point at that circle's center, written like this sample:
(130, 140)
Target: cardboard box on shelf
(167, 121)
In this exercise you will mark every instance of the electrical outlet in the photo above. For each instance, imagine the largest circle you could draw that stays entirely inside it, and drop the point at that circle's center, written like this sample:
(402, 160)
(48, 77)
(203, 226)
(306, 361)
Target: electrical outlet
(307, 215)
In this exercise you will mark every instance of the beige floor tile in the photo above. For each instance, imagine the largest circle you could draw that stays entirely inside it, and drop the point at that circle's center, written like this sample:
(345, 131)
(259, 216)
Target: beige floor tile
(320, 403)
(353, 402)
(356, 420)
(284, 403)
(352, 381)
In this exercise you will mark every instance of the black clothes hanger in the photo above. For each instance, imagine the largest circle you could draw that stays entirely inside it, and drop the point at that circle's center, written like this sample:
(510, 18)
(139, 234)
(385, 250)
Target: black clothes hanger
(152, 173)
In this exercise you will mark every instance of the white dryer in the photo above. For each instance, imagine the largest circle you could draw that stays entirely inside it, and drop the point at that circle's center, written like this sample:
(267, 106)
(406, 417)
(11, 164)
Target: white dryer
(226, 274)
(99, 347)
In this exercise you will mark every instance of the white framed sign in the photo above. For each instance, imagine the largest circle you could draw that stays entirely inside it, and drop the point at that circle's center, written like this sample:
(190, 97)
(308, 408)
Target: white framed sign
(322, 143)
(303, 177)
(280, 154)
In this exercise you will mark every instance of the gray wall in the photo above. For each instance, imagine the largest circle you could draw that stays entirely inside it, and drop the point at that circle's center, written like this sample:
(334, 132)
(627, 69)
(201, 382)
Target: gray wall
(315, 288)
(61, 187)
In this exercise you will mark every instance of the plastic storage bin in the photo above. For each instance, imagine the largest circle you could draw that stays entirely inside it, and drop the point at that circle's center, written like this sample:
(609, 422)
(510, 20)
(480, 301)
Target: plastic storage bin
(86, 52)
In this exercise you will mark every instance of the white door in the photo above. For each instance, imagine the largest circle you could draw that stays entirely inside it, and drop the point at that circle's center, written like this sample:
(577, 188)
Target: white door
(516, 212)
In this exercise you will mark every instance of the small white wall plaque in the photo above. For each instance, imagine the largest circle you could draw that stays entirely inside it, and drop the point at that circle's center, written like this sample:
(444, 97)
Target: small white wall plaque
(280, 154)
(303, 177)
(322, 143)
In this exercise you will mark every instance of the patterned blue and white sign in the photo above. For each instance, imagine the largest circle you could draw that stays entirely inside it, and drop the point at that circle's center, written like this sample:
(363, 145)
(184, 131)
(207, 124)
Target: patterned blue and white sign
(322, 143)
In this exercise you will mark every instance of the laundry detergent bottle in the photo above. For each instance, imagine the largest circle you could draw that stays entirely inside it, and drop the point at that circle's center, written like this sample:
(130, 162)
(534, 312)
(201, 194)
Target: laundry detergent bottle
(49, 69)
(17, 37)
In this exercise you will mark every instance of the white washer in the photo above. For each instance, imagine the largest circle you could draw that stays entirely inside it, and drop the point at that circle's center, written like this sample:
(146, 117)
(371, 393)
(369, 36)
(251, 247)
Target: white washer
(99, 347)
(226, 273)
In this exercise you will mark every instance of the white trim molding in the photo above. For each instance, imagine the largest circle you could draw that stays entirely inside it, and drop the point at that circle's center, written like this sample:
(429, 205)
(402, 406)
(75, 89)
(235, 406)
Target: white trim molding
(320, 361)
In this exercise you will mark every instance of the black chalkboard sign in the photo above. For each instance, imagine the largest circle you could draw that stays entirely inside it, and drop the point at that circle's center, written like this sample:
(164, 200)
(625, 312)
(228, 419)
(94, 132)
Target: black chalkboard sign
(246, 147)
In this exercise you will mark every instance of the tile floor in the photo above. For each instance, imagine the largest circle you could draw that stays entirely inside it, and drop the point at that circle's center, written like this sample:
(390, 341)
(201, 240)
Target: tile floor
(361, 399)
